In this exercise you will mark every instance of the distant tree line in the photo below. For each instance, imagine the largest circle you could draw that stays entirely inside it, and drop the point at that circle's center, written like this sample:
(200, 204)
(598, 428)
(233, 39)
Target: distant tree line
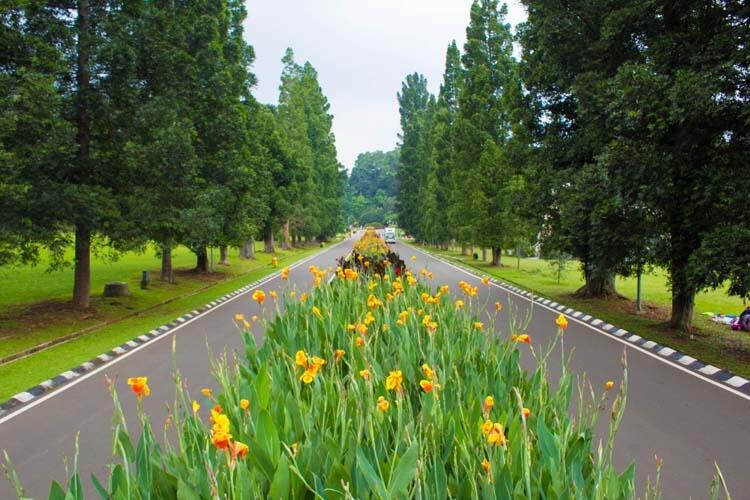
(370, 195)
(124, 123)
(619, 137)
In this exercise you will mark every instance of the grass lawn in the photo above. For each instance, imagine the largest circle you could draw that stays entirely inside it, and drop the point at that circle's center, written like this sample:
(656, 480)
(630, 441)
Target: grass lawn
(29, 323)
(711, 342)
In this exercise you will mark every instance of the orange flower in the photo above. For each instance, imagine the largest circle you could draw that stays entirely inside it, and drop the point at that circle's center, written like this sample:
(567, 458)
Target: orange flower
(338, 354)
(383, 404)
(285, 273)
(459, 304)
(361, 328)
(359, 341)
(365, 374)
(498, 306)
(496, 436)
(487, 426)
(244, 404)
(486, 465)
(207, 392)
(254, 318)
(428, 372)
(139, 386)
(609, 385)
(239, 450)
(489, 402)
(259, 296)
(526, 413)
(303, 297)
(562, 322)
(221, 439)
(308, 376)
(523, 338)
(426, 385)
(485, 280)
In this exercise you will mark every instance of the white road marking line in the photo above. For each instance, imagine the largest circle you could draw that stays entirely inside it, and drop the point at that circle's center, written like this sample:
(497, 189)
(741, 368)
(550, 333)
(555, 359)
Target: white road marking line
(81, 378)
(622, 341)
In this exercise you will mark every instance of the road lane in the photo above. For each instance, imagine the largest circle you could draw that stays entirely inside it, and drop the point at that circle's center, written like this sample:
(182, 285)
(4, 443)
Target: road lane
(687, 421)
(42, 434)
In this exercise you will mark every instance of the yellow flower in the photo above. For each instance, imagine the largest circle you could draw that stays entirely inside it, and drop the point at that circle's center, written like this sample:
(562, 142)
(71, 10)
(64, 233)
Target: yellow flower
(427, 385)
(459, 304)
(259, 296)
(350, 327)
(385, 328)
(365, 374)
(485, 280)
(316, 361)
(303, 297)
(239, 317)
(373, 302)
(246, 324)
(254, 318)
(414, 258)
(359, 341)
(294, 448)
(523, 338)
(394, 380)
(308, 376)
(428, 372)
(497, 435)
(562, 322)
(383, 404)
(369, 319)
(526, 413)
(244, 404)
(139, 386)
(489, 402)
(362, 329)
(207, 392)
(498, 306)
(444, 288)
(479, 325)
(317, 312)
(338, 354)
(487, 426)
(486, 465)
(372, 285)
(221, 439)
(285, 273)
(196, 407)
(274, 262)
(609, 385)
(426, 320)
(273, 294)
(300, 358)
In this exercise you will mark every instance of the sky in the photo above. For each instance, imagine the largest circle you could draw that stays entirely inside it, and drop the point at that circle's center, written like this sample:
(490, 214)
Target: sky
(362, 50)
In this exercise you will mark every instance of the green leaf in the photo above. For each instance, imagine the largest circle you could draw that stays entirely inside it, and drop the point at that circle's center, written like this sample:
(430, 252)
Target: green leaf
(262, 386)
(280, 483)
(371, 477)
(99, 488)
(268, 436)
(186, 492)
(56, 492)
(404, 471)
(124, 440)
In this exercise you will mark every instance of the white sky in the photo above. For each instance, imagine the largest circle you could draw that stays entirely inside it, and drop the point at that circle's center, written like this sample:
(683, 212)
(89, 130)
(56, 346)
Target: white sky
(362, 50)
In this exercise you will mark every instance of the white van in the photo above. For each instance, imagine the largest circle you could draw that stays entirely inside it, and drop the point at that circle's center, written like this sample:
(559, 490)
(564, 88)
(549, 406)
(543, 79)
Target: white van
(390, 235)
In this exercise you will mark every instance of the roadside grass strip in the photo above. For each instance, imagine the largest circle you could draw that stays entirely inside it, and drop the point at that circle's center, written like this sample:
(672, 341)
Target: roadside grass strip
(376, 387)
(738, 385)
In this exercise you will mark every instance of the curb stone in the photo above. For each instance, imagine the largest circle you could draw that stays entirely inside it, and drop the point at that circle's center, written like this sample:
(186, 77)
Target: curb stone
(53, 383)
(703, 369)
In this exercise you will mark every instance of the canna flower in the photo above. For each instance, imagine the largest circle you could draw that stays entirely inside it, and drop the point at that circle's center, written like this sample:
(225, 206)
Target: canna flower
(244, 404)
(217, 410)
(562, 322)
(350, 327)
(317, 312)
(259, 296)
(523, 338)
(489, 402)
(318, 362)
(526, 413)
(273, 294)
(359, 341)
(428, 372)
(285, 273)
(485, 280)
(459, 304)
(139, 386)
(300, 358)
(196, 407)
(609, 385)
(498, 306)
(362, 328)
(383, 404)
(486, 466)
(274, 262)
(254, 318)
(239, 450)
(427, 385)
(338, 354)
(414, 258)
(303, 297)
(207, 392)
(294, 448)
(239, 317)
(385, 328)
(444, 288)
(246, 324)
(478, 325)
(365, 374)
(308, 376)
(496, 435)
(487, 426)
(373, 302)
(369, 319)
(221, 439)
(394, 380)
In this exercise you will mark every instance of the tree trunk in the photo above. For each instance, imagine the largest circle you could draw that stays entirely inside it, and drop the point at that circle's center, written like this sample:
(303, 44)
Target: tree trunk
(82, 272)
(268, 239)
(496, 254)
(484, 254)
(201, 265)
(464, 250)
(223, 255)
(166, 263)
(287, 243)
(597, 286)
(683, 298)
(247, 250)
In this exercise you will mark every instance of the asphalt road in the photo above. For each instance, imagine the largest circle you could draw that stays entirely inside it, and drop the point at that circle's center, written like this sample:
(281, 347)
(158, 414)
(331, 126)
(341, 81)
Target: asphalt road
(685, 420)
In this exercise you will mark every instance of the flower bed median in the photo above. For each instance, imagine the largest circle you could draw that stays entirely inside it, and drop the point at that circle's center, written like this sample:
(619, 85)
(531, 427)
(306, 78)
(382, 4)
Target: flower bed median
(378, 386)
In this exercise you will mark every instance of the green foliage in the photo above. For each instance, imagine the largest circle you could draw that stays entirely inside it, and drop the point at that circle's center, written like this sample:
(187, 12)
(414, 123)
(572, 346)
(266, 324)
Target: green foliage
(370, 195)
(328, 437)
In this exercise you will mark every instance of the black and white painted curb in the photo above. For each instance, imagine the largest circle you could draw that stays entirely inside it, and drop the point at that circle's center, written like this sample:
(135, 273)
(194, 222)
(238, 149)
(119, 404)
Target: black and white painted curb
(723, 377)
(48, 385)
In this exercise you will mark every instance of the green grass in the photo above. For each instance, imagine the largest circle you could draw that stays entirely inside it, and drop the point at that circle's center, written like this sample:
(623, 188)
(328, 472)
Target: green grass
(22, 374)
(711, 342)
